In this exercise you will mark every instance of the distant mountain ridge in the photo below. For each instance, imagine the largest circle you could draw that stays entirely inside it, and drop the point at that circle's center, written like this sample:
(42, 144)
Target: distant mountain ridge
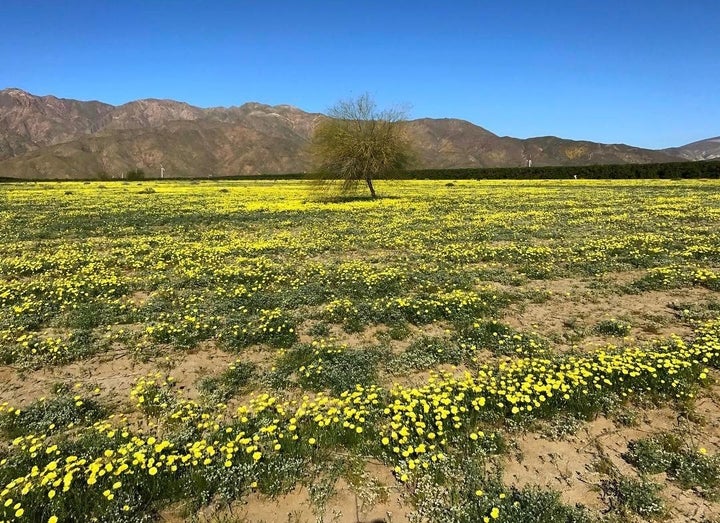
(708, 149)
(50, 137)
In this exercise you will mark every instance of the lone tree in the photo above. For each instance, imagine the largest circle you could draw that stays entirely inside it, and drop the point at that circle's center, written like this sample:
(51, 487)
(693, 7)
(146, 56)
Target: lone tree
(359, 143)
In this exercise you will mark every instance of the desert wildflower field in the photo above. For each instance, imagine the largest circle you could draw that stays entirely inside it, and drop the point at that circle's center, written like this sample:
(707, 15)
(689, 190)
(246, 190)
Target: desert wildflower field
(467, 351)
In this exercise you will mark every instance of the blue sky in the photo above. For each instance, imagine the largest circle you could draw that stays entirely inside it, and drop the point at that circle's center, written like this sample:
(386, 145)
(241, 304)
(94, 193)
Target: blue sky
(646, 73)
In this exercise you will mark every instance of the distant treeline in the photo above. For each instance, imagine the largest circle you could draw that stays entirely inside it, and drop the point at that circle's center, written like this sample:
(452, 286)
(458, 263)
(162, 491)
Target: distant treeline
(702, 169)
(676, 170)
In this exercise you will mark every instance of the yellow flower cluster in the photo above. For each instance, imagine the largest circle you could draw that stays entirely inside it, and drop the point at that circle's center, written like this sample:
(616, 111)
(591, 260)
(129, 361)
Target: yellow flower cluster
(415, 424)
(421, 419)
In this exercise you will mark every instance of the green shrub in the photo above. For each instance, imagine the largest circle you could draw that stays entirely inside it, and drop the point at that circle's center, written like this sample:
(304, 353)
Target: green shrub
(501, 339)
(50, 415)
(531, 504)
(639, 496)
(693, 469)
(134, 175)
(613, 327)
(320, 366)
(689, 467)
(229, 383)
(653, 455)
(426, 352)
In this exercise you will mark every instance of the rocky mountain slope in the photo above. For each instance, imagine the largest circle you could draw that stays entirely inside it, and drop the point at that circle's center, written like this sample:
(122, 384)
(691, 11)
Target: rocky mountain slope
(49, 137)
(702, 150)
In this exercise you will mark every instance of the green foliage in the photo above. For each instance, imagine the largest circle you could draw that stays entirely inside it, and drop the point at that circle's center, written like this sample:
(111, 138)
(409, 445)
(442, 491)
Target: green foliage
(638, 496)
(463, 491)
(693, 469)
(426, 352)
(613, 327)
(320, 329)
(689, 467)
(359, 143)
(626, 416)
(655, 454)
(326, 366)
(678, 276)
(561, 426)
(36, 350)
(228, 384)
(270, 326)
(135, 175)
(51, 415)
(699, 312)
(675, 170)
(397, 331)
(710, 169)
(89, 315)
(531, 504)
(501, 339)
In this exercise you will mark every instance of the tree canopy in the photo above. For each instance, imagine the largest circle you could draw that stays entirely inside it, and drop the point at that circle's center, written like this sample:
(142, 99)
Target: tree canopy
(358, 143)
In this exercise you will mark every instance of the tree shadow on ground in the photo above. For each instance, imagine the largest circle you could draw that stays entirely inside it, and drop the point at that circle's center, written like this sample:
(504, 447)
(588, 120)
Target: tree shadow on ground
(347, 198)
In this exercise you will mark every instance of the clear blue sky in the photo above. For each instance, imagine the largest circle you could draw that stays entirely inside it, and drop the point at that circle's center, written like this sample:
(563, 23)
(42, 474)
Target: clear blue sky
(641, 72)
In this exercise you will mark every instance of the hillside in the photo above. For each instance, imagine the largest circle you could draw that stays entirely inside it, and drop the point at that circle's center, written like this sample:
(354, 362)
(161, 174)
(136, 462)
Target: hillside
(49, 137)
(701, 150)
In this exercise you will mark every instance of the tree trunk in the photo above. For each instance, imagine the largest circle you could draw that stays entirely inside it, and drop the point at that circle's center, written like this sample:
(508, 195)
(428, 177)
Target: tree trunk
(370, 186)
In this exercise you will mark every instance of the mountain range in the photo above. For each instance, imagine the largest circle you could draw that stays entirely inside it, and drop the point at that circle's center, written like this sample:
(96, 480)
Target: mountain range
(45, 137)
